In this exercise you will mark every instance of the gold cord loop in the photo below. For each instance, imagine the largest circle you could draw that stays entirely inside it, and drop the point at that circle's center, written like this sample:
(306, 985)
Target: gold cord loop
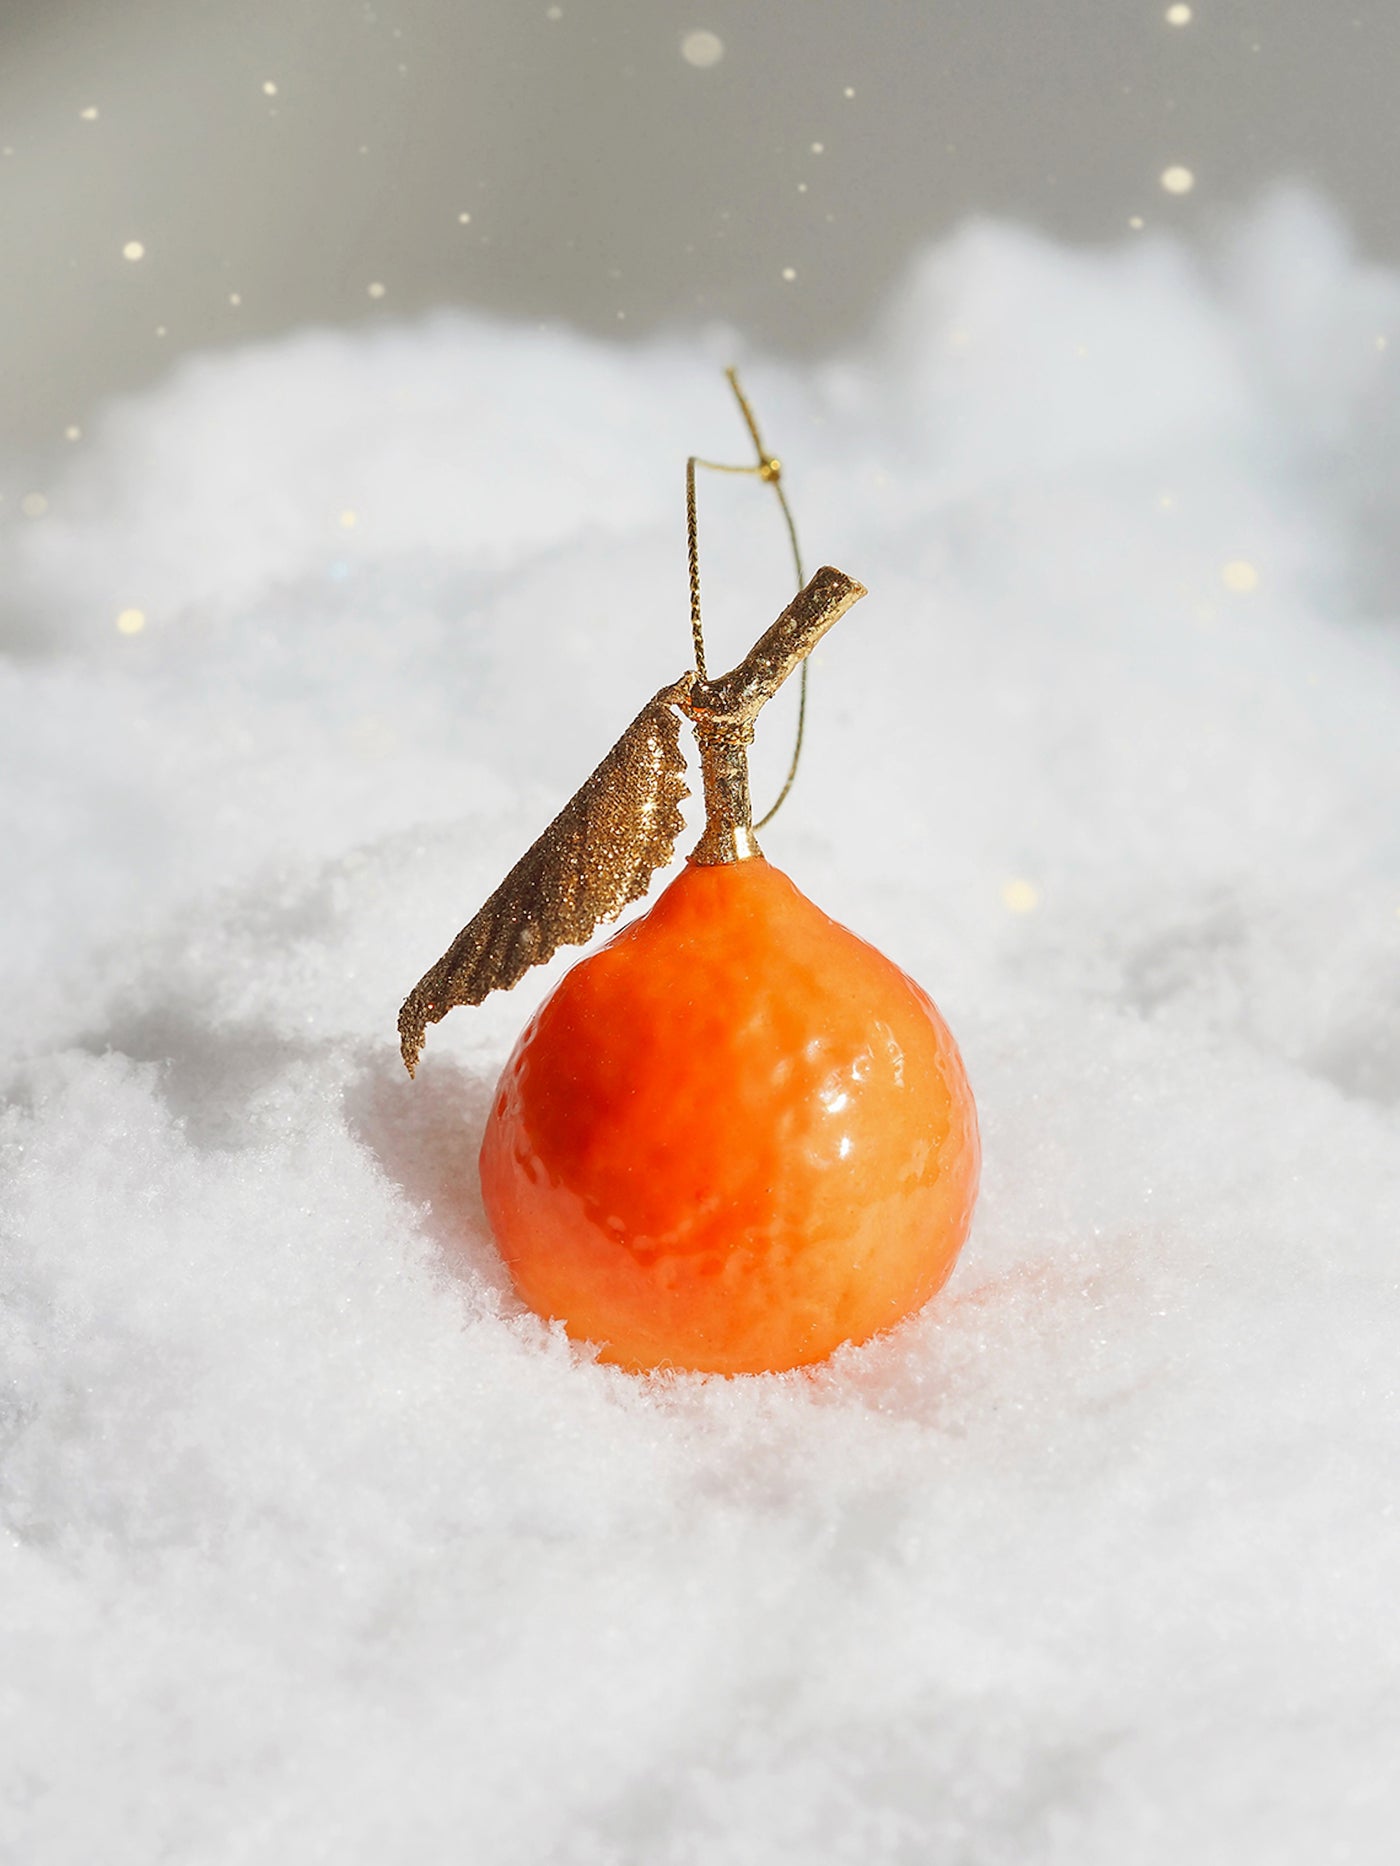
(769, 469)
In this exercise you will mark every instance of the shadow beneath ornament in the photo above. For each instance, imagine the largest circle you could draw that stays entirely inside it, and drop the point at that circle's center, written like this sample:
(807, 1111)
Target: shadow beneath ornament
(426, 1135)
(1362, 1055)
(212, 1075)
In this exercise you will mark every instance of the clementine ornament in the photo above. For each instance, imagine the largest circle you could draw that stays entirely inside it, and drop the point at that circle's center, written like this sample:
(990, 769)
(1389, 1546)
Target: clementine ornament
(736, 1136)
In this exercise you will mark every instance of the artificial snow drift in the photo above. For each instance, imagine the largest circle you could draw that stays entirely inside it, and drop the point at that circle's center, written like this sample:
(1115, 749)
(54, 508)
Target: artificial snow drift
(315, 1546)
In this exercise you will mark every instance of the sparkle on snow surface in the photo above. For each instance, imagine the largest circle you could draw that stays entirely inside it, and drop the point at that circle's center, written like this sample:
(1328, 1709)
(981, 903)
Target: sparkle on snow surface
(314, 1545)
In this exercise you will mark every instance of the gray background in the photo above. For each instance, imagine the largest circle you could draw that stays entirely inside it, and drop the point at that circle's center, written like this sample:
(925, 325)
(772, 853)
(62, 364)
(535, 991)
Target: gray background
(609, 182)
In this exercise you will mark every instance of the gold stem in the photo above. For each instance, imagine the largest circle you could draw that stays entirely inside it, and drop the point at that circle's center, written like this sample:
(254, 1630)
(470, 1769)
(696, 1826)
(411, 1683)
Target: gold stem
(723, 711)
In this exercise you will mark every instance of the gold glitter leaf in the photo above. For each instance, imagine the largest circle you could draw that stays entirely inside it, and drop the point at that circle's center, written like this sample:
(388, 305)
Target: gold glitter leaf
(598, 854)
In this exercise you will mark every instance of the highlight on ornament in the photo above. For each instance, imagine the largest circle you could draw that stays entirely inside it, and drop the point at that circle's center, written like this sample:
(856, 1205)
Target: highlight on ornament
(736, 1136)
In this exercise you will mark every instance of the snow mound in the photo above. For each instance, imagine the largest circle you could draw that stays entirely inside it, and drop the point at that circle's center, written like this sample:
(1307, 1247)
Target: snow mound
(313, 1545)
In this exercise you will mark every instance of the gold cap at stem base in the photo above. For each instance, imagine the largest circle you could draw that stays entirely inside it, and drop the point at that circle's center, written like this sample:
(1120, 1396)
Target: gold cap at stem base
(724, 767)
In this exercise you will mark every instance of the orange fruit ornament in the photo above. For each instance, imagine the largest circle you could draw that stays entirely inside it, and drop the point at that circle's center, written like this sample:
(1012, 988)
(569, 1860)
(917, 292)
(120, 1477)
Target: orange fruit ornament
(736, 1136)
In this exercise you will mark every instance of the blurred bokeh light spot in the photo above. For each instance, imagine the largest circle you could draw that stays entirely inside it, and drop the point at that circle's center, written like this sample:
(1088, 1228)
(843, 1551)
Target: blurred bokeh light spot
(1022, 897)
(702, 49)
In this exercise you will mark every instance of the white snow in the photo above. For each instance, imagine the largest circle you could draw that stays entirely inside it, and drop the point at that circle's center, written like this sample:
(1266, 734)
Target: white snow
(314, 1546)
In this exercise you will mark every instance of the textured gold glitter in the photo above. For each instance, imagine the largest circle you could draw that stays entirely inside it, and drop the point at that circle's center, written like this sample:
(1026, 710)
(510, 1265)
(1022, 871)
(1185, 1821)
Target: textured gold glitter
(598, 854)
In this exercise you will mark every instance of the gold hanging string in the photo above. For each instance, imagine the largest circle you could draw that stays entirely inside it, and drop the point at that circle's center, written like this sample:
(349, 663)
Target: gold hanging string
(769, 468)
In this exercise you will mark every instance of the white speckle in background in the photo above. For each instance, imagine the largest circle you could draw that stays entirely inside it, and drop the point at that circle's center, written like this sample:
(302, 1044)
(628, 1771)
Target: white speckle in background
(72, 433)
(1178, 15)
(376, 289)
(818, 148)
(702, 49)
(789, 273)
(1178, 180)
(269, 88)
(133, 250)
(313, 1544)
(554, 12)
(34, 505)
(89, 114)
(464, 219)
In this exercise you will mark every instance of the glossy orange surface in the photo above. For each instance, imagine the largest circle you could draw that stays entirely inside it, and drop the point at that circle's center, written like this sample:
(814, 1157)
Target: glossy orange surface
(733, 1138)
